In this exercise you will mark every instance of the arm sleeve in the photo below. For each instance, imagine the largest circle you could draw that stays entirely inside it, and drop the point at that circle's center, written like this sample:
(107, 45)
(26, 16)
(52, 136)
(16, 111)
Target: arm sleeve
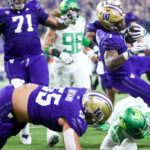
(108, 142)
(85, 41)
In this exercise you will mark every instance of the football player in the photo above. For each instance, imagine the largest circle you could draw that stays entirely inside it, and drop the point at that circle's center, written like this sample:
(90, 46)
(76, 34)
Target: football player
(69, 66)
(91, 34)
(24, 59)
(68, 50)
(129, 122)
(61, 109)
(115, 54)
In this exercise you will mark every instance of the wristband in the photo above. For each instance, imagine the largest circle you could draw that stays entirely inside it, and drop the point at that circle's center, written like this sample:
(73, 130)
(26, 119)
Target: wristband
(47, 49)
(127, 54)
(56, 52)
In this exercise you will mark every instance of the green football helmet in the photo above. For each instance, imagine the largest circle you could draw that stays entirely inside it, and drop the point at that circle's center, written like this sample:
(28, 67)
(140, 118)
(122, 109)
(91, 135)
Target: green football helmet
(66, 5)
(134, 123)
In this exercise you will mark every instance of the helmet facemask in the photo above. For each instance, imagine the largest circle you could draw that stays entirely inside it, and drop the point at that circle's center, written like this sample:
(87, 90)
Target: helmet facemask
(17, 4)
(67, 5)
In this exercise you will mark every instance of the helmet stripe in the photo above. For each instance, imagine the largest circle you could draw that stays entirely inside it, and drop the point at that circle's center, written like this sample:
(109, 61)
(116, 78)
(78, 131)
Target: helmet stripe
(100, 95)
(115, 8)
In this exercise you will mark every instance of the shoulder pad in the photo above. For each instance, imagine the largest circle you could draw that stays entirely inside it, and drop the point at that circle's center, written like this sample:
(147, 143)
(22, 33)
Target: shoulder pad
(34, 5)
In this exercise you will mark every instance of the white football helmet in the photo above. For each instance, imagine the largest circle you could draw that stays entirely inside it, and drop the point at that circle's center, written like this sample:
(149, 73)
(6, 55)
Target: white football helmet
(98, 107)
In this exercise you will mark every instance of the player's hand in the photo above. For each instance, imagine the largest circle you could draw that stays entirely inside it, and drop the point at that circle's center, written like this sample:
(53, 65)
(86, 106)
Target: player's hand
(136, 31)
(137, 48)
(70, 17)
(66, 58)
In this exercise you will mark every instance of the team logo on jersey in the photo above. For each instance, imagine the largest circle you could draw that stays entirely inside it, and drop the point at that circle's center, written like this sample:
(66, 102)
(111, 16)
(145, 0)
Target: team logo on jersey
(106, 16)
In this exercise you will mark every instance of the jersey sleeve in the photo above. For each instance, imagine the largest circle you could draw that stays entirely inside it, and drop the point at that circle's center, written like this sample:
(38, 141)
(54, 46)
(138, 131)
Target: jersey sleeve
(130, 16)
(92, 27)
(42, 16)
(113, 42)
(78, 124)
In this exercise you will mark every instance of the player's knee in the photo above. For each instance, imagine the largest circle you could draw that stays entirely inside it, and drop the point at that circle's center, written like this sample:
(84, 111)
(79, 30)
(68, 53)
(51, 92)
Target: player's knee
(17, 82)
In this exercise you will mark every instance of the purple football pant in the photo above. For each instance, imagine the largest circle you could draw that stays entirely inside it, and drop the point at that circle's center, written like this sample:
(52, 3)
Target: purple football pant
(33, 69)
(8, 123)
(134, 86)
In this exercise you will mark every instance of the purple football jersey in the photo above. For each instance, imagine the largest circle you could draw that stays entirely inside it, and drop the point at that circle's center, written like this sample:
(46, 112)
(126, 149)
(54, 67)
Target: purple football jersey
(109, 40)
(46, 105)
(20, 30)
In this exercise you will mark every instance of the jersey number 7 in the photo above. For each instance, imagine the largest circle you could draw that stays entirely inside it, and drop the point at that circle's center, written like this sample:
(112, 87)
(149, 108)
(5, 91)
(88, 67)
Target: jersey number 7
(21, 21)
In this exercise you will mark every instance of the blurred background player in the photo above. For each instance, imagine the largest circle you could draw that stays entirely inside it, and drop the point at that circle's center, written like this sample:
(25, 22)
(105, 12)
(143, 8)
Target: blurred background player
(130, 121)
(70, 63)
(23, 55)
(66, 110)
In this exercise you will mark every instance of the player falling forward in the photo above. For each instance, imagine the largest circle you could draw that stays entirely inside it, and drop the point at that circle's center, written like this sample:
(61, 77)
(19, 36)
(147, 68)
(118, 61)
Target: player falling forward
(61, 109)
(24, 59)
(130, 121)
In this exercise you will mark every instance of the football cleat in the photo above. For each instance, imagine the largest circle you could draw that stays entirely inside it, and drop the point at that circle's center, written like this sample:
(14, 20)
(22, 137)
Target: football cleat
(25, 136)
(52, 138)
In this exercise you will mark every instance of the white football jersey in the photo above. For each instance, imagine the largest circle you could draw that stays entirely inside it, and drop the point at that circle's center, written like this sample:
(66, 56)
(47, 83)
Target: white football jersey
(69, 40)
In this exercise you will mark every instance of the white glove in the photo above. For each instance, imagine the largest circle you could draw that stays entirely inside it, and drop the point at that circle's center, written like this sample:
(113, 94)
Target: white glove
(137, 48)
(136, 31)
(70, 17)
(66, 58)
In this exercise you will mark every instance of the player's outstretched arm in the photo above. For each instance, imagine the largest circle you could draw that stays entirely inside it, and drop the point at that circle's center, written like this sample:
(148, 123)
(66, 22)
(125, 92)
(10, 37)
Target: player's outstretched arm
(61, 23)
(70, 137)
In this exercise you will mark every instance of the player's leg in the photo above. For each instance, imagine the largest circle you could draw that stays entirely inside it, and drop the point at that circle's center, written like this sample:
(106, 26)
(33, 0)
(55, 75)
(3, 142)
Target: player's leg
(81, 75)
(134, 86)
(16, 73)
(38, 70)
(62, 75)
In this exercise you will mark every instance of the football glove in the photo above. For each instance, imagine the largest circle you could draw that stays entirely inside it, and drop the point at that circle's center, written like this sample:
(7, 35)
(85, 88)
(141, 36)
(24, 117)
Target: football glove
(65, 58)
(70, 17)
(137, 48)
(136, 31)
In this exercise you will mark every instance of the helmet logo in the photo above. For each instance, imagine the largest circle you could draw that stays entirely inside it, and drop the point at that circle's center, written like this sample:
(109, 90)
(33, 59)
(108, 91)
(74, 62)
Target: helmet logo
(98, 113)
(106, 17)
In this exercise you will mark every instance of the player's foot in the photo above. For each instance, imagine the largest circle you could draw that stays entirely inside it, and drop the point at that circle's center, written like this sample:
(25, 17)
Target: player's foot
(103, 127)
(25, 139)
(52, 138)
(25, 136)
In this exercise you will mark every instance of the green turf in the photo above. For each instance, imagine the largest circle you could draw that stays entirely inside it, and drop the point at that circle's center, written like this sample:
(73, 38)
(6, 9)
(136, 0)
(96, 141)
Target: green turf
(91, 140)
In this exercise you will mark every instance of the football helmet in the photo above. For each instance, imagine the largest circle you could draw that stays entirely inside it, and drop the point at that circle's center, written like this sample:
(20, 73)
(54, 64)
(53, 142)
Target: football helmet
(134, 123)
(98, 107)
(67, 5)
(17, 4)
(112, 18)
(115, 2)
